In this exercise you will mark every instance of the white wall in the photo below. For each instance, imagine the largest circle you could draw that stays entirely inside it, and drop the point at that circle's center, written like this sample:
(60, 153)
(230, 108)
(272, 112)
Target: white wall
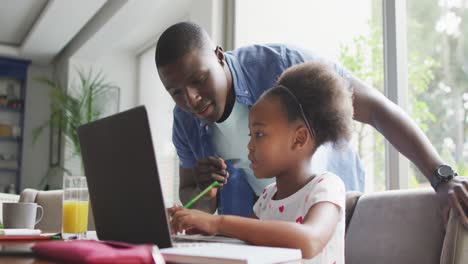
(209, 14)
(121, 69)
(118, 68)
(37, 111)
(159, 105)
(126, 68)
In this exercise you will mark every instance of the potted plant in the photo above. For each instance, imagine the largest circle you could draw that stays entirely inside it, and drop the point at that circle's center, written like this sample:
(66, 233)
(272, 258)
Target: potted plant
(79, 104)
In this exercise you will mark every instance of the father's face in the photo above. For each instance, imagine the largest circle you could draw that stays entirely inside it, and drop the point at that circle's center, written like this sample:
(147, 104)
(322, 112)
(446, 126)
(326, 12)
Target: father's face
(198, 83)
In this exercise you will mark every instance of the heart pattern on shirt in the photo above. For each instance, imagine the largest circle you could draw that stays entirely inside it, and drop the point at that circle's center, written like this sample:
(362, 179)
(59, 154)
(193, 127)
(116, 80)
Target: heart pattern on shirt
(299, 220)
(281, 208)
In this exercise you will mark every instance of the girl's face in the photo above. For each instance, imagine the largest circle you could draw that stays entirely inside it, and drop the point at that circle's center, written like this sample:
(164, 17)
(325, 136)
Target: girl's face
(272, 138)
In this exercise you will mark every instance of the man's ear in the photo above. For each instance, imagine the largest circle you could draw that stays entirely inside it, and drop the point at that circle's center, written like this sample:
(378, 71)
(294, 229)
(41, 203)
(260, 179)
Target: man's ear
(219, 54)
(301, 137)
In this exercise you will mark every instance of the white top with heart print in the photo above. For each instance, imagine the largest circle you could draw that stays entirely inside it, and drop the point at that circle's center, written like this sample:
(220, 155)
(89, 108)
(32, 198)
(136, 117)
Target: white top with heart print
(325, 187)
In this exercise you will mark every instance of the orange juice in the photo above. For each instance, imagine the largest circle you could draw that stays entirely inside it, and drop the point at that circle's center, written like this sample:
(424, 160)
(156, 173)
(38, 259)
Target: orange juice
(75, 217)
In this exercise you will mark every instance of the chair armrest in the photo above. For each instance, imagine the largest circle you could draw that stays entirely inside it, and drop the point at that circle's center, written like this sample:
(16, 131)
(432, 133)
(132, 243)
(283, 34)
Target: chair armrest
(455, 248)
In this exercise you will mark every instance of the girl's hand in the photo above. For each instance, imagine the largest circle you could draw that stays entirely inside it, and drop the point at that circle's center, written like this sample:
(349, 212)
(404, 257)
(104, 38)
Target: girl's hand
(194, 221)
(171, 211)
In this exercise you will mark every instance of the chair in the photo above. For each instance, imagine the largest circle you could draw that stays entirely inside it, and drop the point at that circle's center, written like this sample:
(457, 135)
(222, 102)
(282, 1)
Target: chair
(7, 198)
(51, 201)
(403, 226)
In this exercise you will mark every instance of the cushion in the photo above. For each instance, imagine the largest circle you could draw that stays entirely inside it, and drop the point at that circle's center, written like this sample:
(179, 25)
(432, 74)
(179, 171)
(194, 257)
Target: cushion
(404, 226)
(455, 249)
(91, 251)
(352, 198)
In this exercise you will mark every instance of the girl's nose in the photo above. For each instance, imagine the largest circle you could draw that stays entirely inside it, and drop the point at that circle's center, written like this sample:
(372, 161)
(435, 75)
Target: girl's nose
(250, 145)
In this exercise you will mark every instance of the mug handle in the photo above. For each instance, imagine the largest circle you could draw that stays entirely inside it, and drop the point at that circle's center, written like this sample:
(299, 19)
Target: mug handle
(39, 214)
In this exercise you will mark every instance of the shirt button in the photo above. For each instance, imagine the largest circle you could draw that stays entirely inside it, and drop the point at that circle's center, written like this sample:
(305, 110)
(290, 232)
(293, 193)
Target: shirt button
(246, 92)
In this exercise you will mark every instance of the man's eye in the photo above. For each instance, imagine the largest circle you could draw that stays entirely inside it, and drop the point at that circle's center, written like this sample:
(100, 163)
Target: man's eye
(176, 93)
(200, 80)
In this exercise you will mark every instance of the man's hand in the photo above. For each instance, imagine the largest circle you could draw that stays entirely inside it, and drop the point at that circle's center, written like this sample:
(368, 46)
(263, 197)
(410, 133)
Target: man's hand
(211, 169)
(194, 220)
(456, 192)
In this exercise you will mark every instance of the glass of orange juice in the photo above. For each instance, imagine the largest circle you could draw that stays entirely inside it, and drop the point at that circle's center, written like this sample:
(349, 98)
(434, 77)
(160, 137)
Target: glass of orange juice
(75, 207)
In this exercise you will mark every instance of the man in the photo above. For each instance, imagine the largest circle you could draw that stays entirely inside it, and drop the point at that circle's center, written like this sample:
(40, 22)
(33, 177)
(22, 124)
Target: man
(213, 91)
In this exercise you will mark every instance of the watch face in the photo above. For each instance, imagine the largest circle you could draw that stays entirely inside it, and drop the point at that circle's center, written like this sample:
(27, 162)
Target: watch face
(445, 171)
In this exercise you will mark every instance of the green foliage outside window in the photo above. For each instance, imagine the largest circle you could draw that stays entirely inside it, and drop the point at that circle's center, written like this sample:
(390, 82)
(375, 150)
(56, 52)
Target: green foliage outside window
(437, 83)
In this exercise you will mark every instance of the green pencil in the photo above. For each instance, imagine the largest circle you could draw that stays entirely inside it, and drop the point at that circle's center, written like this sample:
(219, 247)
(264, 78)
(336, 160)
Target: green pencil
(196, 198)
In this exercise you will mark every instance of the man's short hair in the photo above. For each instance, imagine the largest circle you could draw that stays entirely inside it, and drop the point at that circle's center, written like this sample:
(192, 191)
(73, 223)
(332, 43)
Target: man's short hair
(178, 40)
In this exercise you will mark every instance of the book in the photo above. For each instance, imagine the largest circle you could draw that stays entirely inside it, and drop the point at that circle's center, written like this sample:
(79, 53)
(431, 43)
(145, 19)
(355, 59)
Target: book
(19, 232)
(24, 234)
(229, 254)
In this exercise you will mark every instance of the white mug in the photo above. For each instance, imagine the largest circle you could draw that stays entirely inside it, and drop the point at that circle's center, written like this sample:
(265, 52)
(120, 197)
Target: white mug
(21, 215)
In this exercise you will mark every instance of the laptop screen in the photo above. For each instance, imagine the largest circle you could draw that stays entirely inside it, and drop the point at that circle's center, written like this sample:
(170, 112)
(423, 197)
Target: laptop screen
(123, 181)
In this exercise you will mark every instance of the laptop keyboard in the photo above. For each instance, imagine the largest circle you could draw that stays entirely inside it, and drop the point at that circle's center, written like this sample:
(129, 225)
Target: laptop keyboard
(191, 244)
(205, 239)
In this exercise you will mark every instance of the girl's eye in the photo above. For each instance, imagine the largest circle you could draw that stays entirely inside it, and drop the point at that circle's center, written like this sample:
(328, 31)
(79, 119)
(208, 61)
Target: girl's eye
(257, 134)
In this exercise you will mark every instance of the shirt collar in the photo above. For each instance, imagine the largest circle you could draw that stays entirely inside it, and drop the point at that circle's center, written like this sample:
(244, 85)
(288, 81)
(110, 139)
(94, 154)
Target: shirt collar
(239, 82)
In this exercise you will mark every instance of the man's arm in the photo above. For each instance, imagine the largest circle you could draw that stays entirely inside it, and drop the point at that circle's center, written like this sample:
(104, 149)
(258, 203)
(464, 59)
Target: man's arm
(372, 108)
(188, 188)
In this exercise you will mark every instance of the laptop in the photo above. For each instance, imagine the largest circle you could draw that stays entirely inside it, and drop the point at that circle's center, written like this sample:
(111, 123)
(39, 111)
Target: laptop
(127, 200)
(123, 180)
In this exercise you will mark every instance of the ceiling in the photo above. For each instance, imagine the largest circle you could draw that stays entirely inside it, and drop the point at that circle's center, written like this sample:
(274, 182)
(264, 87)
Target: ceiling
(38, 30)
(18, 19)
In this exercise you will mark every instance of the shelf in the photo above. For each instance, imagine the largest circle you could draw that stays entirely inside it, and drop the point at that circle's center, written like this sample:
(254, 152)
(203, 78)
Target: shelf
(10, 110)
(10, 139)
(8, 170)
(13, 76)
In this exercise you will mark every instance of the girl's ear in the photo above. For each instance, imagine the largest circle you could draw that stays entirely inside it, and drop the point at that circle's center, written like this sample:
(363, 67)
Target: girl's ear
(301, 137)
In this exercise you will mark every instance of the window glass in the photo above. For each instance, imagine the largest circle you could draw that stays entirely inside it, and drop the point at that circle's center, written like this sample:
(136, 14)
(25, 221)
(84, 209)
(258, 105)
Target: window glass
(331, 30)
(438, 78)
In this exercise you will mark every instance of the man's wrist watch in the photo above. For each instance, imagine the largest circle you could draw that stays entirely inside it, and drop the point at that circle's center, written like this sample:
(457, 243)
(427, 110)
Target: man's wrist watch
(442, 173)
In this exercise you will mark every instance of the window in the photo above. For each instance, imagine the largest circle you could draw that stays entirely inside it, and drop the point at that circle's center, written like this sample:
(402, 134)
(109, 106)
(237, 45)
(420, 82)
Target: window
(438, 78)
(329, 29)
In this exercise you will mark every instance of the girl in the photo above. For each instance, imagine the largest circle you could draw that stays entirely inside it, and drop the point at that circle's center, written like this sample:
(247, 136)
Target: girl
(309, 106)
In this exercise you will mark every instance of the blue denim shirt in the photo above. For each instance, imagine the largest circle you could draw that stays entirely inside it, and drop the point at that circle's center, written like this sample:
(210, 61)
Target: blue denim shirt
(255, 69)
